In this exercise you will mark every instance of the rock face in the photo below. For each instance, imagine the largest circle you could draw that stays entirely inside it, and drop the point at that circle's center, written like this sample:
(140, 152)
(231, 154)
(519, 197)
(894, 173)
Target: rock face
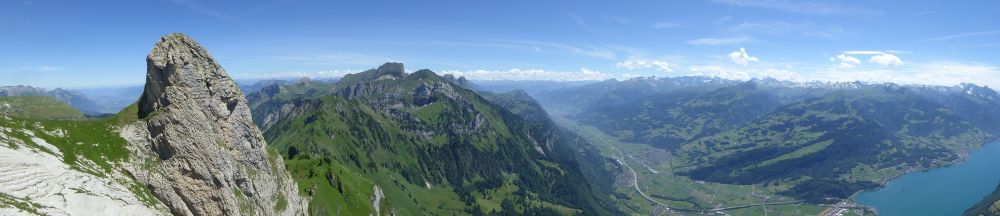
(33, 173)
(198, 149)
(390, 70)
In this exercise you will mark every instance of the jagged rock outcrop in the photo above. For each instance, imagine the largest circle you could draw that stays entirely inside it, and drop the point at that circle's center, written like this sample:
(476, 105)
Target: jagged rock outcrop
(390, 71)
(197, 148)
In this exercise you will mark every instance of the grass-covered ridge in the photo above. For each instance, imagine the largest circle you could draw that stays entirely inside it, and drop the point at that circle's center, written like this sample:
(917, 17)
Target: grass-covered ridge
(89, 145)
(38, 107)
(432, 147)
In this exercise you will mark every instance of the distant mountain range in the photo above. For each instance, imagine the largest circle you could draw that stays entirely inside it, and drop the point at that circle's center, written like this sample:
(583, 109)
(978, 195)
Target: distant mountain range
(73, 98)
(822, 139)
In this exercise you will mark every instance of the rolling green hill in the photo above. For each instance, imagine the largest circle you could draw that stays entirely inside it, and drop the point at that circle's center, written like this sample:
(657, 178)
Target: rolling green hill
(829, 147)
(422, 145)
(817, 142)
(671, 119)
(38, 107)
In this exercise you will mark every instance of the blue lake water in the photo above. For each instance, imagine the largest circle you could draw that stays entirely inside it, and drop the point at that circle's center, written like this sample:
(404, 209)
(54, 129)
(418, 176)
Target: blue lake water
(942, 191)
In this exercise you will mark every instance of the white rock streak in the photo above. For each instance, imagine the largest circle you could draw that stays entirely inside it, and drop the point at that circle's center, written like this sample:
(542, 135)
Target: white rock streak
(29, 174)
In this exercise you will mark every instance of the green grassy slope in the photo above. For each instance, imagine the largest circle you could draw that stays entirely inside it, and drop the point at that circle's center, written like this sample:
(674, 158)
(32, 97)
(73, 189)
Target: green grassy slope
(38, 107)
(832, 146)
(432, 147)
(668, 120)
(88, 145)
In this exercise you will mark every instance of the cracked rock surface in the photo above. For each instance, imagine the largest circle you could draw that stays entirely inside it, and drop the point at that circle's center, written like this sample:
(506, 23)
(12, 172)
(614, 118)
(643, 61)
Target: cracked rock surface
(197, 148)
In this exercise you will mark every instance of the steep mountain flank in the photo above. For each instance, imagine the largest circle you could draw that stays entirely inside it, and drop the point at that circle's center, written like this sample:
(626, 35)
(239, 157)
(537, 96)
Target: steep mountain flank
(194, 144)
(389, 142)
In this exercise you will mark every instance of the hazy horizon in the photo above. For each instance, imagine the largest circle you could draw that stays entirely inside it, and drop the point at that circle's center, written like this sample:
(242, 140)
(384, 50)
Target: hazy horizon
(912, 43)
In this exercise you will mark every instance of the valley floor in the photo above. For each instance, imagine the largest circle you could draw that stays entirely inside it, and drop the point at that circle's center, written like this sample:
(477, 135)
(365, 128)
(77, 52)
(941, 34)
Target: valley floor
(647, 186)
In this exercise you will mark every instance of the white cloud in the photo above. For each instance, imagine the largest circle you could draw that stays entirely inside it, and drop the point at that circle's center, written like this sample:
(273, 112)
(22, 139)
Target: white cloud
(537, 74)
(664, 25)
(935, 73)
(953, 73)
(720, 41)
(716, 71)
(877, 57)
(778, 74)
(960, 35)
(743, 73)
(741, 57)
(636, 64)
(886, 59)
(846, 61)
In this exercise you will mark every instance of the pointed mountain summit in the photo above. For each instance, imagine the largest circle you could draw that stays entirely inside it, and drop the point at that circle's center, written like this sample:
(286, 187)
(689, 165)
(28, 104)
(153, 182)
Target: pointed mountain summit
(197, 148)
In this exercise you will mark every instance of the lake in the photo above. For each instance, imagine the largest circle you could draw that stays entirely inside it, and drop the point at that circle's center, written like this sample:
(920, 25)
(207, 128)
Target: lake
(941, 191)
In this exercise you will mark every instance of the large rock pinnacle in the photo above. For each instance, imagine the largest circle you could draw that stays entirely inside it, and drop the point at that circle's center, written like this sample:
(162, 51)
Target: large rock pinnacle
(198, 149)
(178, 65)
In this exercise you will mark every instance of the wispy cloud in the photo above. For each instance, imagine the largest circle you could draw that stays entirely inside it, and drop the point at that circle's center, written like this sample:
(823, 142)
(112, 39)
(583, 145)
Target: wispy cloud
(638, 64)
(580, 50)
(978, 45)
(664, 25)
(579, 21)
(922, 13)
(721, 41)
(298, 74)
(960, 35)
(606, 52)
(328, 59)
(42, 68)
(538, 74)
(782, 28)
(800, 7)
(486, 44)
(863, 52)
(617, 19)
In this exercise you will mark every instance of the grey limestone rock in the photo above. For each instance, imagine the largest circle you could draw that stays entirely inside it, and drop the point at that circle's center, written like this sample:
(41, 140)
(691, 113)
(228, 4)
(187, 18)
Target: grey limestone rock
(195, 145)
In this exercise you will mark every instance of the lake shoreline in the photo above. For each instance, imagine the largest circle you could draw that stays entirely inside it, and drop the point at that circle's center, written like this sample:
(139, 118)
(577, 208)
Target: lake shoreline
(962, 157)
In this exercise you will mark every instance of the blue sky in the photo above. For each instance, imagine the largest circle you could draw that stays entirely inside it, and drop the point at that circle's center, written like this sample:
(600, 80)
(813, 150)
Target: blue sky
(101, 43)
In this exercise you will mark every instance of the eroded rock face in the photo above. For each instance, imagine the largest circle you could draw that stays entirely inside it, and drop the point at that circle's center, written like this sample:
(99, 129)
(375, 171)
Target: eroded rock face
(198, 149)
(390, 70)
